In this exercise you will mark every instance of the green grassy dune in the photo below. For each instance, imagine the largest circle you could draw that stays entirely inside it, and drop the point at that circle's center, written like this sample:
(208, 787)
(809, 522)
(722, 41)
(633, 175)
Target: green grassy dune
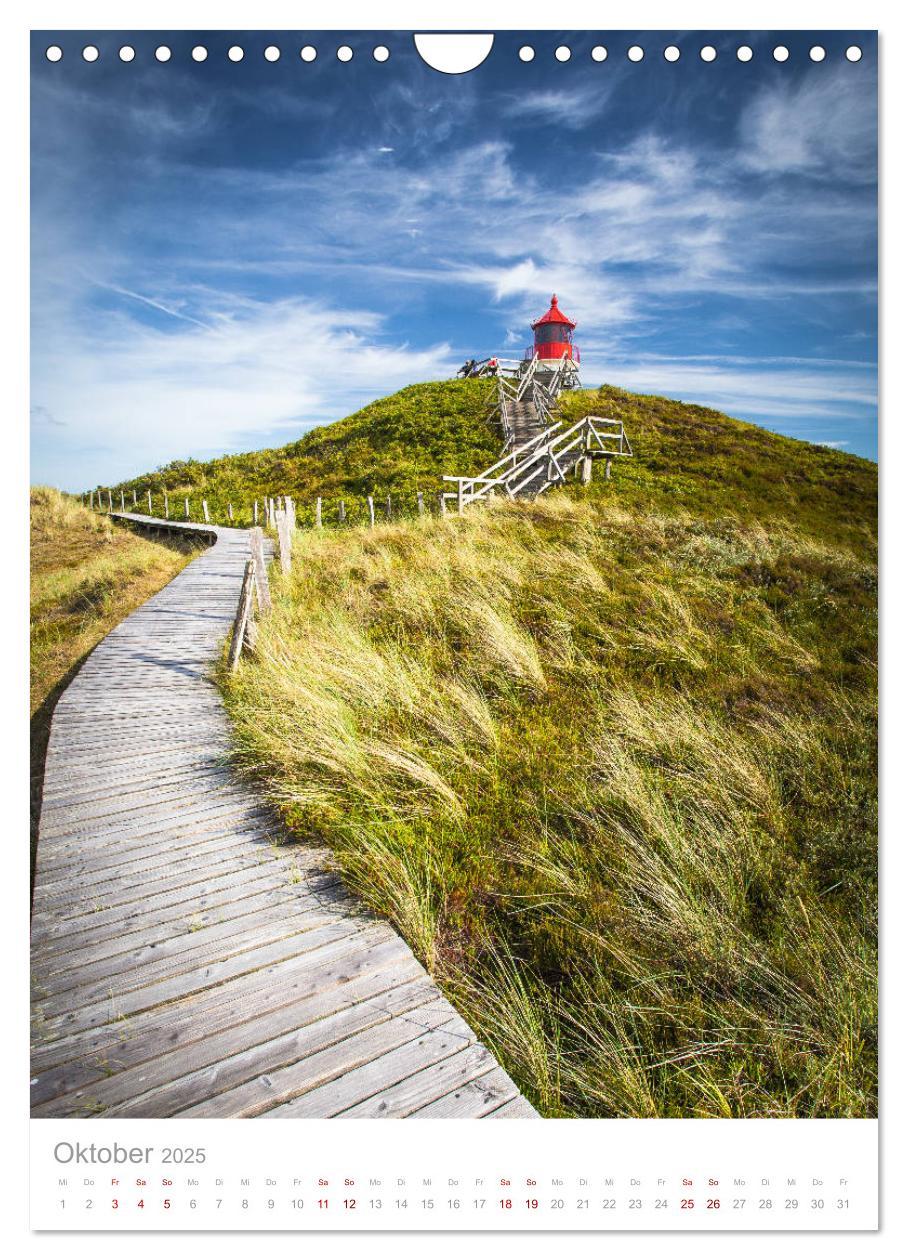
(607, 760)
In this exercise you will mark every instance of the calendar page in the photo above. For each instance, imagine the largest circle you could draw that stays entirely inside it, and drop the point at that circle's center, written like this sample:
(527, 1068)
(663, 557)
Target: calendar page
(453, 658)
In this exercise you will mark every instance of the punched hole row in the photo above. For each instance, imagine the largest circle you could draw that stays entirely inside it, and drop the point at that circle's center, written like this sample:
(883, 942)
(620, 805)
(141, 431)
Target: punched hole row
(707, 53)
(526, 53)
(200, 53)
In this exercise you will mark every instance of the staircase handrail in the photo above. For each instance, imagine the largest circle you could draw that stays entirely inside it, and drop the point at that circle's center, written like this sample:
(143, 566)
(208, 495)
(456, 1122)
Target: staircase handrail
(513, 474)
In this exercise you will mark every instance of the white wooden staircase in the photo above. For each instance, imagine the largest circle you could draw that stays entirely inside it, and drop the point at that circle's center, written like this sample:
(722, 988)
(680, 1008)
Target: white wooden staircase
(540, 450)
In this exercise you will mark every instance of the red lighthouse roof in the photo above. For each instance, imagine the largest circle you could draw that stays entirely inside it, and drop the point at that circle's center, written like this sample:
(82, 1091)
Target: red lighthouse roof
(553, 316)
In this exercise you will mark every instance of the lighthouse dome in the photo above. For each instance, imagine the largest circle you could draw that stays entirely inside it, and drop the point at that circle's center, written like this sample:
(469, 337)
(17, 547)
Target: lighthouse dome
(554, 315)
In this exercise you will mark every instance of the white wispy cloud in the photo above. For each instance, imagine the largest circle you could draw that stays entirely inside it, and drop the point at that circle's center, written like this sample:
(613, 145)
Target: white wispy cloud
(560, 107)
(137, 395)
(757, 389)
(810, 127)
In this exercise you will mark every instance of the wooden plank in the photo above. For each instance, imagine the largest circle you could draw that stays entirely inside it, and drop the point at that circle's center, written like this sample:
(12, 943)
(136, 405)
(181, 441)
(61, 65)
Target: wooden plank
(425, 1086)
(473, 1099)
(276, 1040)
(179, 1023)
(282, 1093)
(397, 1049)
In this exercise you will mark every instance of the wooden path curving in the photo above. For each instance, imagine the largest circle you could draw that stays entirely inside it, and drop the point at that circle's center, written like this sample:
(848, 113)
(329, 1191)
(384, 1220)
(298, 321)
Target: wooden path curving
(187, 959)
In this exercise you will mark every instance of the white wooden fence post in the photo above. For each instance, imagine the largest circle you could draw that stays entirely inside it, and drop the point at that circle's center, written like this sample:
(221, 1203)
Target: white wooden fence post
(109, 501)
(149, 503)
(371, 513)
(255, 512)
(283, 539)
(242, 616)
(420, 503)
(230, 511)
(135, 501)
(261, 573)
(166, 507)
(586, 475)
(122, 501)
(388, 507)
(205, 510)
(442, 505)
(318, 513)
(186, 508)
(341, 512)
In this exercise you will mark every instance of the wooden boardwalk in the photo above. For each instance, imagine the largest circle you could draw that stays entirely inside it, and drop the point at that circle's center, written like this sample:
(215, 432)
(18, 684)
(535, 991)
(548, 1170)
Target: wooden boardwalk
(187, 959)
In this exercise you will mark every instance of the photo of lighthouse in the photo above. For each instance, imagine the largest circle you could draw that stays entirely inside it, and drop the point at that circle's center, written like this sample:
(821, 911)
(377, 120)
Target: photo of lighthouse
(453, 608)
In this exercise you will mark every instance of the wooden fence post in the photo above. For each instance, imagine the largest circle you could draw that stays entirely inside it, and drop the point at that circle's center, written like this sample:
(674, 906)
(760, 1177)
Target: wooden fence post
(318, 513)
(460, 498)
(255, 512)
(262, 588)
(283, 539)
(388, 508)
(122, 501)
(420, 503)
(371, 513)
(135, 501)
(149, 503)
(442, 505)
(91, 498)
(186, 508)
(109, 501)
(205, 510)
(166, 507)
(242, 616)
(230, 511)
(608, 470)
(586, 474)
(341, 512)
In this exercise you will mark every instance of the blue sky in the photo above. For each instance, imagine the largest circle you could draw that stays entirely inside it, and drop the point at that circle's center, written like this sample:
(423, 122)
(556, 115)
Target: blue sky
(224, 254)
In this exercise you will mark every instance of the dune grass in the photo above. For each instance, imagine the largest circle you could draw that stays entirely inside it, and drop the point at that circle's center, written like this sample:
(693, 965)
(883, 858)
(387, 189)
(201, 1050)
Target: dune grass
(86, 576)
(607, 761)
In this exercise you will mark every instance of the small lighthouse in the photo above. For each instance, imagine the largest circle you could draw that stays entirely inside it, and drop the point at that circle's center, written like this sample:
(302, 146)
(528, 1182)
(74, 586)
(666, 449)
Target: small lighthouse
(553, 338)
(552, 359)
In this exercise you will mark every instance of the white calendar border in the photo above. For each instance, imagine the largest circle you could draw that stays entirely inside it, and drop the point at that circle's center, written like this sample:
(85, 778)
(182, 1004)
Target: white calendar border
(507, 14)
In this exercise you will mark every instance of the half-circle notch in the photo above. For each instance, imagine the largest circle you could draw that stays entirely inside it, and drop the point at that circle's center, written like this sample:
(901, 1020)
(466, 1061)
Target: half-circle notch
(454, 54)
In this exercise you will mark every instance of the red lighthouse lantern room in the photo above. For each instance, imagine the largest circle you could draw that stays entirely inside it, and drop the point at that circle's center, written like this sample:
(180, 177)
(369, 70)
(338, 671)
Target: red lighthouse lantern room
(553, 337)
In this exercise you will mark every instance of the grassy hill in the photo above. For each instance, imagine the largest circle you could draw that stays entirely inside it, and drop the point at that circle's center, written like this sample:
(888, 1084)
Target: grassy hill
(607, 760)
(395, 446)
(86, 576)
